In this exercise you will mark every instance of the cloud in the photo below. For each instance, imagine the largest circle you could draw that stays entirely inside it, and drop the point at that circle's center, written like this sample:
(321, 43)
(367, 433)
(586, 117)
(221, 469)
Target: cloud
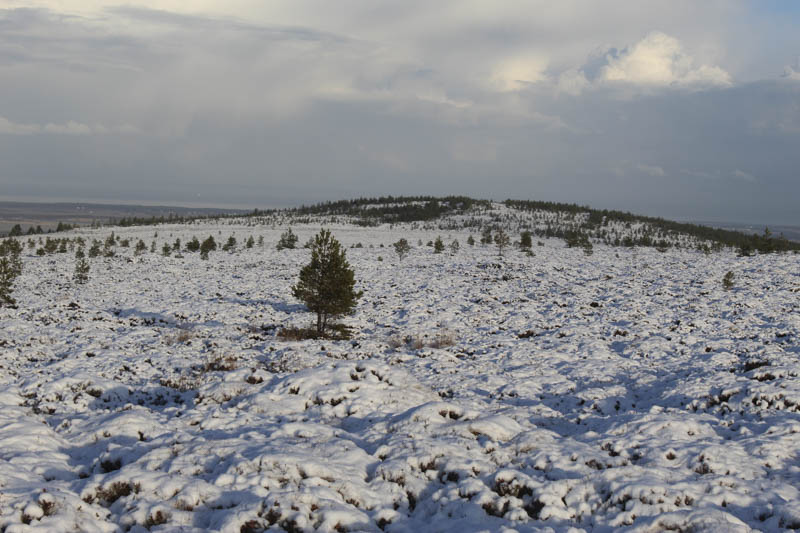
(515, 73)
(658, 60)
(445, 97)
(651, 170)
(7, 127)
(792, 72)
(746, 176)
(12, 128)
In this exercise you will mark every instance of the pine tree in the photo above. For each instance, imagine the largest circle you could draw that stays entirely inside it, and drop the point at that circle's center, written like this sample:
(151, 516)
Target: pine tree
(94, 250)
(438, 246)
(486, 235)
(454, 247)
(10, 268)
(525, 240)
(209, 245)
(7, 276)
(193, 245)
(230, 244)
(288, 240)
(501, 240)
(727, 281)
(81, 274)
(471, 241)
(402, 248)
(326, 284)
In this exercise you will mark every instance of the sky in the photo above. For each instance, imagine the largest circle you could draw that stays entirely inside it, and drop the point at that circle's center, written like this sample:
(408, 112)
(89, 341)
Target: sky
(676, 108)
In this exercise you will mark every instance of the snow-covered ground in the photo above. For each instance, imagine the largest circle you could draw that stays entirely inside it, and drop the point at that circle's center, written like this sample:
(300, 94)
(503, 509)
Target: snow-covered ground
(626, 389)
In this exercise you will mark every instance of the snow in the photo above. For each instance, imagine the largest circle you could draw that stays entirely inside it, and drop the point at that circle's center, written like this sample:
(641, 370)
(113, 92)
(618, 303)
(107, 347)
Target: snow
(558, 392)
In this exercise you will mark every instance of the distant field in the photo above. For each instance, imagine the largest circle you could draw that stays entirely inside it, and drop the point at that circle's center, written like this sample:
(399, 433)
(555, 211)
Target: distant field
(48, 215)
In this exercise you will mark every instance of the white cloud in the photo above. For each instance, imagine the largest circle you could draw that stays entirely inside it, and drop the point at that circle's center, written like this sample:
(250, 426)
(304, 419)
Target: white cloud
(659, 60)
(792, 72)
(746, 176)
(651, 170)
(514, 73)
(8, 127)
(70, 128)
(12, 128)
(572, 82)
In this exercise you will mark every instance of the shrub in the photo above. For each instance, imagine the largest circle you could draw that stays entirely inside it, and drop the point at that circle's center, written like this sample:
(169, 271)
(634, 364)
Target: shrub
(326, 284)
(288, 240)
(338, 332)
(402, 248)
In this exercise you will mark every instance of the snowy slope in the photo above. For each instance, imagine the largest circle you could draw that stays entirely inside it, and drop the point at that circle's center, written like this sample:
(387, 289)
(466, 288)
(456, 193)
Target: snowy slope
(622, 390)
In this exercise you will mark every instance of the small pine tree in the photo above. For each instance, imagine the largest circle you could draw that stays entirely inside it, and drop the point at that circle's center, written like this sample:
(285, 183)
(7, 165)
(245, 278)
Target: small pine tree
(10, 268)
(486, 235)
(471, 241)
(501, 240)
(9, 271)
(250, 242)
(261, 240)
(193, 245)
(727, 281)
(438, 246)
(153, 247)
(402, 248)
(525, 240)
(230, 245)
(141, 248)
(81, 274)
(288, 240)
(166, 250)
(209, 245)
(94, 249)
(454, 247)
(326, 284)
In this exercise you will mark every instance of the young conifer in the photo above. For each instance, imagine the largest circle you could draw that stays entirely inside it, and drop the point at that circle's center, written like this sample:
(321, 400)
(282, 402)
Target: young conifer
(326, 284)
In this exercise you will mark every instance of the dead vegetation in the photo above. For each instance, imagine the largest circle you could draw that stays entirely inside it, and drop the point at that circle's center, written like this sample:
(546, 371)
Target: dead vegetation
(439, 340)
